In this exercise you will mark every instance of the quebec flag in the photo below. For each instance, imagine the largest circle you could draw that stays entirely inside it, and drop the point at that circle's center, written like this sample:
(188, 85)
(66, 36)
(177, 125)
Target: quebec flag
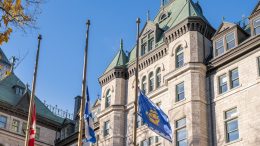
(89, 128)
(154, 117)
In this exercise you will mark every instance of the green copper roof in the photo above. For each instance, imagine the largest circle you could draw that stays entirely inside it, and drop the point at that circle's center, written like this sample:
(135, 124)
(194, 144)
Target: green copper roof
(177, 11)
(8, 96)
(3, 58)
(119, 60)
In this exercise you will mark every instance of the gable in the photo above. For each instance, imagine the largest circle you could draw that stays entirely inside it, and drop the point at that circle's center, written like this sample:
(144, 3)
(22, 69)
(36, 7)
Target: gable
(223, 27)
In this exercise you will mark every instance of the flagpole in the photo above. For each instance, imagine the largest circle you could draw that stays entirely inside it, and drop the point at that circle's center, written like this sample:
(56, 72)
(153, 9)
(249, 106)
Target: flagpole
(33, 92)
(83, 94)
(138, 21)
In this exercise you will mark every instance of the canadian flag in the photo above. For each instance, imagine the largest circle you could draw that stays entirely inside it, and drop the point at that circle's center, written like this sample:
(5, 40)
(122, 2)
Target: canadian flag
(32, 127)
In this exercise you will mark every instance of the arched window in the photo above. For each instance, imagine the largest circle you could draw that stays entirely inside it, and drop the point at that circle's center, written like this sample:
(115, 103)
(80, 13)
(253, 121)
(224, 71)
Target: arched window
(158, 78)
(151, 82)
(179, 57)
(144, 83)
(108, 98)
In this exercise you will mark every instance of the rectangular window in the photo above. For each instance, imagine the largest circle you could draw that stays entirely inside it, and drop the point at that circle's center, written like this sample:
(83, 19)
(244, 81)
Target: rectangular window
(3, 121)
(106, 128)
(143, 49)
(144, 143)
(257, 26)
(37, 135)
(157, 139)
(223, 84)
(150, 44)
(139, 121)
(219, 47)
(180, 92)
(234, 78)
(258, 64)
(231, 124)
(15, 125)
(151, 141)
(24, 127)
(181, 132)
(230, 38)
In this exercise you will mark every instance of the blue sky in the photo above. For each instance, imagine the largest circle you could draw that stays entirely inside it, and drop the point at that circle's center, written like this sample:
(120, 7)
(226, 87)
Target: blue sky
(62, 24)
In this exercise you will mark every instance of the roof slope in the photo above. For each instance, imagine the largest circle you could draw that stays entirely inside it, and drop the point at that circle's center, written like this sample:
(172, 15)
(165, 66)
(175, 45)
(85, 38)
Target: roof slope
(8, 96)
(3, 58)
(119, 60)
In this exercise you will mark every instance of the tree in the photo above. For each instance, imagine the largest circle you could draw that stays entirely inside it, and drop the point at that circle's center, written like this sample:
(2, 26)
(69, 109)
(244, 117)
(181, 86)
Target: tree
(17, 14)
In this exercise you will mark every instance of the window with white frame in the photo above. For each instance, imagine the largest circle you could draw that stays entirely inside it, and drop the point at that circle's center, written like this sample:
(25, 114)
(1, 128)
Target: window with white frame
(158, 78)
(234, 78)
(257, 26)
(151, 82)
(223, 87)
(108, 98)
(230, 38)
(219, 47)
(106, 128)
(231, 124)
(3, 121)
(144, 85)
(15, 125)
(181, 133)
(180, 92)
(179, 57)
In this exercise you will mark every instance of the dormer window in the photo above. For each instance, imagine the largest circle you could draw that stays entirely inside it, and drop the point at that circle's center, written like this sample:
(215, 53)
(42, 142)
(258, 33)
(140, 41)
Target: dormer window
(18, 90)
(230, 38)
(147, 44)
(225, 43)
(257, 26)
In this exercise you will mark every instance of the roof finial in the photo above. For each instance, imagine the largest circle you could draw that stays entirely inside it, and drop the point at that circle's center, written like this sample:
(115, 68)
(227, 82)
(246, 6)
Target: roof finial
(162, 3)
(223, 19)
(121, 44)
(14, 59)
(148, 15)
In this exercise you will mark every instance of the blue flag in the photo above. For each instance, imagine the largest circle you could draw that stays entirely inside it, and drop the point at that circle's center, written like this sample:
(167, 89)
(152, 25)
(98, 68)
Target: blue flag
(154, 117)
(89, 128)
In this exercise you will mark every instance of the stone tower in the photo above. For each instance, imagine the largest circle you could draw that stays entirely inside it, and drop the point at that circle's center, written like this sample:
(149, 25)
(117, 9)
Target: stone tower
(113, 100)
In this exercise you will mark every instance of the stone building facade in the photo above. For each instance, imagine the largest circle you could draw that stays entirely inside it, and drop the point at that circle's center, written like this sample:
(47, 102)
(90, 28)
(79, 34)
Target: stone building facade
(206, 81)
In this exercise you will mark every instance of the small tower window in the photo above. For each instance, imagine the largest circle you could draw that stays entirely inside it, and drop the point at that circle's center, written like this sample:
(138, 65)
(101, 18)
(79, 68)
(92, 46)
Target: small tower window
(108, 99)
(179, 57)
(257, 26)
(151, 82)
(144, 85)
(158, 78)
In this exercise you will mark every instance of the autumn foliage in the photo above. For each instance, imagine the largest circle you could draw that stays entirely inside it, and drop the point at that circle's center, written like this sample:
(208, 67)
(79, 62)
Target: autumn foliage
(16, 14)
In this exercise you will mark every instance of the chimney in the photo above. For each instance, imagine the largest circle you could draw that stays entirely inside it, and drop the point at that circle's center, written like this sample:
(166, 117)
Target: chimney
(77, 106)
